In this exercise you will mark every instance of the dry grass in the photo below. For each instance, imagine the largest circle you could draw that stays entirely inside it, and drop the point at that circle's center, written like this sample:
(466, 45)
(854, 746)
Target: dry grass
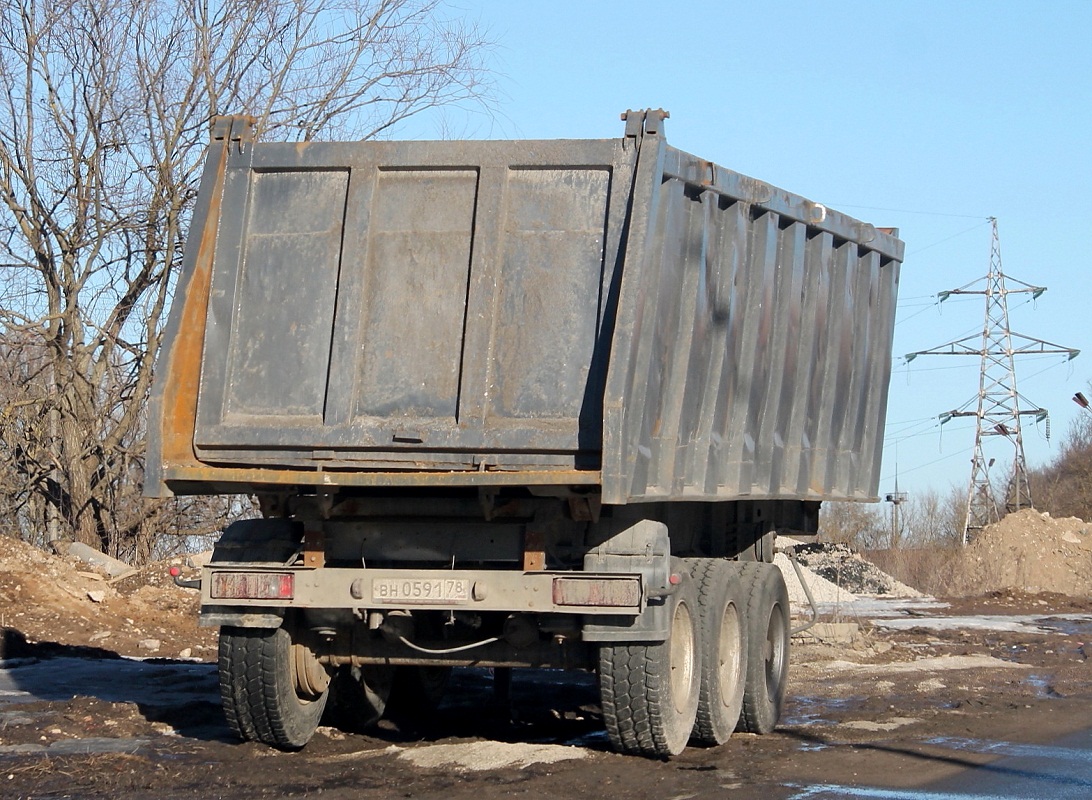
(939, 571)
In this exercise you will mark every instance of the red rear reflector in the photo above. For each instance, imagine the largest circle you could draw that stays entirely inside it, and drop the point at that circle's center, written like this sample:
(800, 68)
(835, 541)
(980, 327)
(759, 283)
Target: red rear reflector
(252, 585)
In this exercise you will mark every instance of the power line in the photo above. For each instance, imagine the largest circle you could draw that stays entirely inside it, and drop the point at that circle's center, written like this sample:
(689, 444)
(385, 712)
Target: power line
(920, 213)
(909, 422)
(949, 457)
(947, 239)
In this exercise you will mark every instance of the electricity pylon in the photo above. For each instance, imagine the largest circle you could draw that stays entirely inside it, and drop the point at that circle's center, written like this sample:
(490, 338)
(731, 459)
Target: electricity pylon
(999, 411)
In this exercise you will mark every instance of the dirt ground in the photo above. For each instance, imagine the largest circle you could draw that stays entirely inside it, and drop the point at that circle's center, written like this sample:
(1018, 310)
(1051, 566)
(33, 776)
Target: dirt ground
(923, 694)
(51, 599)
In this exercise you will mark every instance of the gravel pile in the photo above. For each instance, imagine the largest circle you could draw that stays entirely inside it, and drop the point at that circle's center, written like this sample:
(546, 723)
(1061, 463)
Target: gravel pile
(844, 568)
(824, 592)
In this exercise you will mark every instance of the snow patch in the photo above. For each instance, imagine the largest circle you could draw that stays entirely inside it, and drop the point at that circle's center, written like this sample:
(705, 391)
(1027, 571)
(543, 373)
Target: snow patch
(483, 756)
(932, 664)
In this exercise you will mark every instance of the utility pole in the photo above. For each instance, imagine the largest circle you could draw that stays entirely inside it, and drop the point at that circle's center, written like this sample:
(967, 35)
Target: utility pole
(896, 499)
(998, 413)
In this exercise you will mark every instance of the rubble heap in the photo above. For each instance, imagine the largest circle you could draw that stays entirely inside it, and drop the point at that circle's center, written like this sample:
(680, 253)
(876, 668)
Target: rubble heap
(845, 568)
(47, 598)
(822, 591)
(1031, 552)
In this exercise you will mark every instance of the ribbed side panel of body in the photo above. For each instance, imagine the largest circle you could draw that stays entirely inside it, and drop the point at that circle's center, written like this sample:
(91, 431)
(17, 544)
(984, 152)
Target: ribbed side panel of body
(752, 353)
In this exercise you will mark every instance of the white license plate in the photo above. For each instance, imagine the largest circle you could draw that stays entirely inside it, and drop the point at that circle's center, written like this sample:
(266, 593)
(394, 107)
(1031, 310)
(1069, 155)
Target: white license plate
(420, 590)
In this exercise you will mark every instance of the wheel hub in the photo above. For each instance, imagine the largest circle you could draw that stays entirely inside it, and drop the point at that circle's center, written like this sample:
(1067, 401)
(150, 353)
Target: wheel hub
(311, 676)
(682, 656)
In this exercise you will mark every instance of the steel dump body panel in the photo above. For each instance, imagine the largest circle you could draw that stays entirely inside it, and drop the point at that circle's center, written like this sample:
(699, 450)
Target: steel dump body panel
(575, 311)
(379, 297)
(758, 328)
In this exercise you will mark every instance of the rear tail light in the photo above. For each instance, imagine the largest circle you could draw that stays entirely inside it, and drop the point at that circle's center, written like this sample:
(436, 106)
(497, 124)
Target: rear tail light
(252, 585)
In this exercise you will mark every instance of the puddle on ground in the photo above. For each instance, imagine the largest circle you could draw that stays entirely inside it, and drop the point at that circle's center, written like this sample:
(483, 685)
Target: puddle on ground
(82, 747)
(803, 710)
(1043, 687)
(594, 740)
(837, 791)
(1019, 771)
(1013, 749)
(1071, 624)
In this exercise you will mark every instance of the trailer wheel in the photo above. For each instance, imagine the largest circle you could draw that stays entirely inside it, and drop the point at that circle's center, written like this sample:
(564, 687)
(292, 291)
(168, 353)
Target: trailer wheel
(417, 691)
(650, 691)
(723, 639)
(359, 697)
(766, 617)
(273, 689)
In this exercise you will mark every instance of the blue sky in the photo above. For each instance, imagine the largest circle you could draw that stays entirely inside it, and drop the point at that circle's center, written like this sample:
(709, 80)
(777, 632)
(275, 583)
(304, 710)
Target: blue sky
(925, 116)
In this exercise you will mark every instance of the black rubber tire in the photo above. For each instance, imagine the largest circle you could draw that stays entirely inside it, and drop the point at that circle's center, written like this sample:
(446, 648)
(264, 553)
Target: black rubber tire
(723, 636)
(417, 691)
(233, 660)
(650, 691)
(271, 541)
(359, 697)
(258, 689)
(766, 614)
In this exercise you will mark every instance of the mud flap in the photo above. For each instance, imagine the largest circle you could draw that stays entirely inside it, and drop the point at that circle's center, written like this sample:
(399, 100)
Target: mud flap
(642, 548)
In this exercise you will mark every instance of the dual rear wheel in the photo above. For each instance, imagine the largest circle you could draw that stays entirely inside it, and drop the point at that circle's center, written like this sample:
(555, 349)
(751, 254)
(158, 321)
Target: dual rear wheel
(766, 604)
(723, 667)
(724, 649)
(273, 689)
(649, 692)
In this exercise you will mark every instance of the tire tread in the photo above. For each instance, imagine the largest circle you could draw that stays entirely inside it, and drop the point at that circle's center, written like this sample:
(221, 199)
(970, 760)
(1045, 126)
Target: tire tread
(718, 581)
(635, 698)
(257, 690)
(763, 586)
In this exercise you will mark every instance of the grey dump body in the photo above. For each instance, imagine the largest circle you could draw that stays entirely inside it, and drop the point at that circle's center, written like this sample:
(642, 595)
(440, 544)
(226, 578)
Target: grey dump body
(524, 403)
(615, 313)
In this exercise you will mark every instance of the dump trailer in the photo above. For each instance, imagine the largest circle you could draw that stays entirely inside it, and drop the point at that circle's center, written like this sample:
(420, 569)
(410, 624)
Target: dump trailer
(514, 404)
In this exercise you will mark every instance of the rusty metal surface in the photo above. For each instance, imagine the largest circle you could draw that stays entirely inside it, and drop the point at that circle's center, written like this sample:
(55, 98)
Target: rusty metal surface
(173, 406)
(611, 312)
(381, 301)
(223, 477)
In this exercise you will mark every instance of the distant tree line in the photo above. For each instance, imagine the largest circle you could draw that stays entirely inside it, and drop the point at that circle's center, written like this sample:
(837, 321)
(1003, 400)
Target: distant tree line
(1062, 488)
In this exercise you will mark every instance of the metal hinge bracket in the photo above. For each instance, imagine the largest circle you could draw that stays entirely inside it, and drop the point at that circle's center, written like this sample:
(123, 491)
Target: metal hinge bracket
(234, 128)
(647, 122)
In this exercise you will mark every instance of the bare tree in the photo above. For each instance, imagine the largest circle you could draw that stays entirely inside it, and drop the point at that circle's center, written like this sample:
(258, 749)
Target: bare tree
(1064, 486)
(858, 525)
(933, 519)
(104, 113)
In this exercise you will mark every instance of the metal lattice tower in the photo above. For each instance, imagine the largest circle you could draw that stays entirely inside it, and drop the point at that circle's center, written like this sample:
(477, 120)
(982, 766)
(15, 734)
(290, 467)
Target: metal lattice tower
(999, 411)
